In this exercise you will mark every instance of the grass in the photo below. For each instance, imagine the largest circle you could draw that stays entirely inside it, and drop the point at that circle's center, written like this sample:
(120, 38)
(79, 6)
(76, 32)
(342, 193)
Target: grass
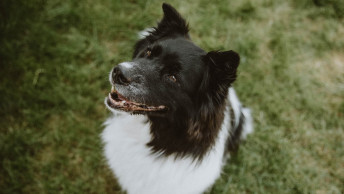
(55, 57)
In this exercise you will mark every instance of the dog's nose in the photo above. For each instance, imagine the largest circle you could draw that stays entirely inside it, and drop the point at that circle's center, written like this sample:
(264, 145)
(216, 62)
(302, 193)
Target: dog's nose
(119, 75)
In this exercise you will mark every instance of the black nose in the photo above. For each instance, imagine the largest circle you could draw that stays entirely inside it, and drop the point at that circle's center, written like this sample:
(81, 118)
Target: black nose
(118, 76)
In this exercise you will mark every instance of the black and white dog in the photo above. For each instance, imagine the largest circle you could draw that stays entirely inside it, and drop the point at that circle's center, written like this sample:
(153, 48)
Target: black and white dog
(175, 114)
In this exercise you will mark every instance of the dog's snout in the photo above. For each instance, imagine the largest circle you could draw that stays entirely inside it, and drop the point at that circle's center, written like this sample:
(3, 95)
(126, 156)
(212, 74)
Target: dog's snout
(119, 77)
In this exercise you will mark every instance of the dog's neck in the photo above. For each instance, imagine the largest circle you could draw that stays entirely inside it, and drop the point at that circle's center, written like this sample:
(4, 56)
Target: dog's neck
(183, 135)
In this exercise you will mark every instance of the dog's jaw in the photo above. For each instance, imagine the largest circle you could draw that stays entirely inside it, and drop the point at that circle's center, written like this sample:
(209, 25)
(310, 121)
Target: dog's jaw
(116, 101)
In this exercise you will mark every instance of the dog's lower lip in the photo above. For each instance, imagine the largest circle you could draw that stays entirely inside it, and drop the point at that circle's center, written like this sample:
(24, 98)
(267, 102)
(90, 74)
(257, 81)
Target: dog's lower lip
(117, 101)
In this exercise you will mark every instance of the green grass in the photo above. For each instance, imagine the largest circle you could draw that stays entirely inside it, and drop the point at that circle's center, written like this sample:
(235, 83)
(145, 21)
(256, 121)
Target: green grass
(55, 57)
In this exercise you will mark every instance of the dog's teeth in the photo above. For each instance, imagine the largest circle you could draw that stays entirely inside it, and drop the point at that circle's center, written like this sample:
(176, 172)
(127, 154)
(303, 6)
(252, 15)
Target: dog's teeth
(113, 89)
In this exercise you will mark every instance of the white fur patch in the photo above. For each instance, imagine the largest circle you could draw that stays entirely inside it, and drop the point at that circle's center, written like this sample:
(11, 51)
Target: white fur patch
(140, 172)
(126, 65)
(248, 124)
(236, 105)
(238, 109)
(144, 33)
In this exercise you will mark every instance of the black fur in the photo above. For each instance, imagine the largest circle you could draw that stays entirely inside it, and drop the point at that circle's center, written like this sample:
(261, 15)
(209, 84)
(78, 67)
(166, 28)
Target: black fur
(171, 25)
(234, 139)
(192, 83)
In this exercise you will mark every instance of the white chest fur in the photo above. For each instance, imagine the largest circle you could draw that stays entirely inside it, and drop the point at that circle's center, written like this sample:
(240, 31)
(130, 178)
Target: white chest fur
(140, 172)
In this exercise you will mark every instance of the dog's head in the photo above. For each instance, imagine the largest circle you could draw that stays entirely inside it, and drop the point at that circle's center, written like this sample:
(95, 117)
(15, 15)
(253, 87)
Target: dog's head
(171, 75)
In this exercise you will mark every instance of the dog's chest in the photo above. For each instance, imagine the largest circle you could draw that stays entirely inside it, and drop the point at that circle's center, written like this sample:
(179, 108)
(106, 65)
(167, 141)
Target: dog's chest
(139, 171)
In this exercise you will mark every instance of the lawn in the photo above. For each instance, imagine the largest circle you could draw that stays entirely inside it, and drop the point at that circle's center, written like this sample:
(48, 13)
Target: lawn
(55, 57)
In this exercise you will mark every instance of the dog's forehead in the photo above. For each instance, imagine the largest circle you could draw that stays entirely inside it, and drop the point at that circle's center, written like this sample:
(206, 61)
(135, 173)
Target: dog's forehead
(181, 46)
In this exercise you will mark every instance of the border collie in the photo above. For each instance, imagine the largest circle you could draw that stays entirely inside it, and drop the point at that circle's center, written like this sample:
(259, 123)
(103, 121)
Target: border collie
(176, 117)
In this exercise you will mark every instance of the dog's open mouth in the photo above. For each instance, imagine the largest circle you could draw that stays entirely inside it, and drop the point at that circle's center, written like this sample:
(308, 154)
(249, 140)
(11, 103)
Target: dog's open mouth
(117, 101)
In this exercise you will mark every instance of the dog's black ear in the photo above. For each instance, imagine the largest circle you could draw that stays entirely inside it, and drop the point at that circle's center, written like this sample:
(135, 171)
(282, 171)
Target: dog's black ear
(172, 23)
(222, 72)
(224, 65)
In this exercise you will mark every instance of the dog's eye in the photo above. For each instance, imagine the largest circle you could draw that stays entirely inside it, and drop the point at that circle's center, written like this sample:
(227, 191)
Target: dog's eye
(148, 53)
(172, 78)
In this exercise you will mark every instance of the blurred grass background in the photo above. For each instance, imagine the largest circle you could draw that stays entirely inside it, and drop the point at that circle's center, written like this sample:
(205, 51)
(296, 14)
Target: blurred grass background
(55, 57)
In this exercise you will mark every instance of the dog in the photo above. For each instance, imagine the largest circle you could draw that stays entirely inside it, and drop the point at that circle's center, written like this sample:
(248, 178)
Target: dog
(176, 117)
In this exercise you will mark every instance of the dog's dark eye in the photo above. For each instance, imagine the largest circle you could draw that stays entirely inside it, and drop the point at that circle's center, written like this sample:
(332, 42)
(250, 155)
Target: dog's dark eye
(172, 78)
(148, 53)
